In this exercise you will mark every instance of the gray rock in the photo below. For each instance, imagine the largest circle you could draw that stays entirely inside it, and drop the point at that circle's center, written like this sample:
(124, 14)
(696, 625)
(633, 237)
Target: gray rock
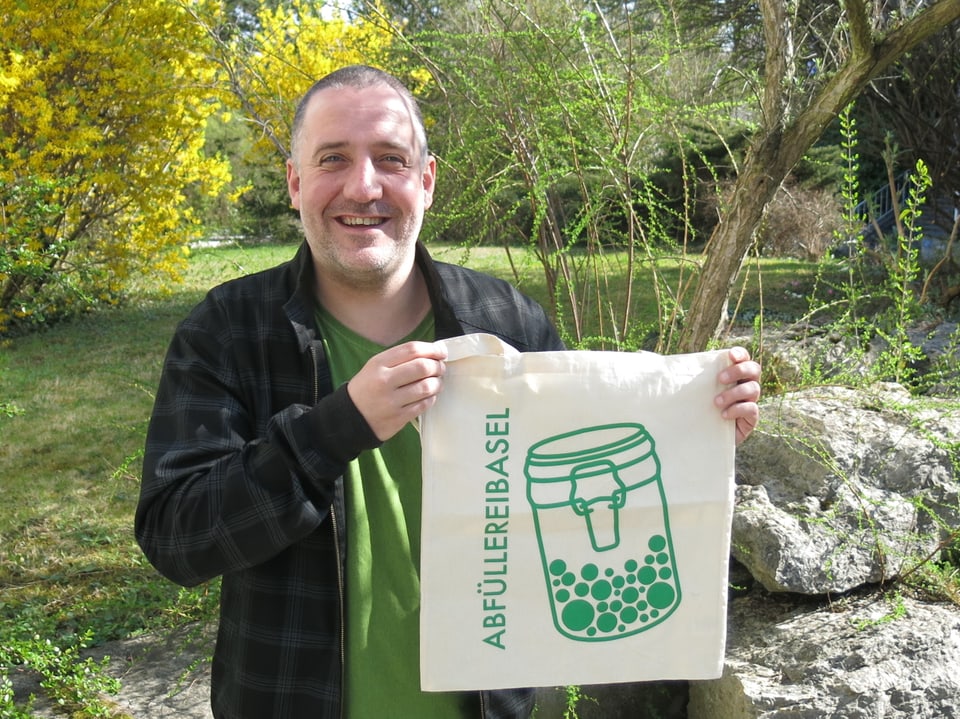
(838, 488)
(805, 352)
(871, 656)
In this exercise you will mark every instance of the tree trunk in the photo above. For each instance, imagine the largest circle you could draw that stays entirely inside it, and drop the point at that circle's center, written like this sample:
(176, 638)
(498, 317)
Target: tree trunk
(728, 247)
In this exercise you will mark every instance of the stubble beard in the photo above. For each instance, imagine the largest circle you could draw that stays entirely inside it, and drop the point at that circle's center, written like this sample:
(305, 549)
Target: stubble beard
(370, 268)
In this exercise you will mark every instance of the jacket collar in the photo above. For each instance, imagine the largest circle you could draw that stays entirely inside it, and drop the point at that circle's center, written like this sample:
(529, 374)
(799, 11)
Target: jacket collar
(445, 321)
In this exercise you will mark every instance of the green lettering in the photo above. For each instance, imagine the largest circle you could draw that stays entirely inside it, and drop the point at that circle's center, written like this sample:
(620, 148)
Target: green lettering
(500, 445)
(498, 485)
(495, 640)
(495, 511)
(495, 620)
(497, 466)
(495, 542)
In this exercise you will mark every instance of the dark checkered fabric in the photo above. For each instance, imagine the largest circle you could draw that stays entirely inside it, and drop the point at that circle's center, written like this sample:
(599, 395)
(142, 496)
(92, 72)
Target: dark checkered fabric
(242, 478)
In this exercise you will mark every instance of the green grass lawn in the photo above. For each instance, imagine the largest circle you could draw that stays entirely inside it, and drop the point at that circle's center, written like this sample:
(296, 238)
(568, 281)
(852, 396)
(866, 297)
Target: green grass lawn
(74, 403)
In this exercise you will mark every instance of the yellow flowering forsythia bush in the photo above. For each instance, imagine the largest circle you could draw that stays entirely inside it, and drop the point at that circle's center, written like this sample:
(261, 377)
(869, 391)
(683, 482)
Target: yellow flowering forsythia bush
(103, 105)
(294, 46)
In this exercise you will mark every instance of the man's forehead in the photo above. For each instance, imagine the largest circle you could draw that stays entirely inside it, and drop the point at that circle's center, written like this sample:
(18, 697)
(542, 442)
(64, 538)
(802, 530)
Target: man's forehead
(378, 112)
(350, 99)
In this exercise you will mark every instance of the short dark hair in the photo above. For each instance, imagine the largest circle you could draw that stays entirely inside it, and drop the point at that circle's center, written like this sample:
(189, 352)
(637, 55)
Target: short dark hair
(358, 76)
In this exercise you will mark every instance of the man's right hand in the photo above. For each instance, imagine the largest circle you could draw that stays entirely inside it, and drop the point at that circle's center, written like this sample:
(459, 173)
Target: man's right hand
(398, 385)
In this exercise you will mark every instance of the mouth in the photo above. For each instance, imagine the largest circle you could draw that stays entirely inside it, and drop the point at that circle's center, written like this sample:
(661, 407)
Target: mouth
(356, 221)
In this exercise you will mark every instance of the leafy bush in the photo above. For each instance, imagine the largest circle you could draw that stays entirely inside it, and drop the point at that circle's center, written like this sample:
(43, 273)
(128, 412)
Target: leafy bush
(76, 684)
(103, 110)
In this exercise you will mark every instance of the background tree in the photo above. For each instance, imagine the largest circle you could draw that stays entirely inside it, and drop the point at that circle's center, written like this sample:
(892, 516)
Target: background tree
(915, 106)
(799, 96)
(102, 114)
(801, 63)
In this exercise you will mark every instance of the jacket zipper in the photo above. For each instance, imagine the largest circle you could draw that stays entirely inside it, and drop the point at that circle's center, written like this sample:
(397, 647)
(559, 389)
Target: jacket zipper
(343, 652)
(336, 544)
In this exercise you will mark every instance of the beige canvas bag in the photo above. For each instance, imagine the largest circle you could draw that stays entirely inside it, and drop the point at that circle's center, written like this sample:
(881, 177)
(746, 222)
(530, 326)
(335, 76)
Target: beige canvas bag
(576, 518)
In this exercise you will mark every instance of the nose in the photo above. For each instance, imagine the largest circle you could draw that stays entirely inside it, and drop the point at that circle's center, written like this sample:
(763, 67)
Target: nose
(362, 183)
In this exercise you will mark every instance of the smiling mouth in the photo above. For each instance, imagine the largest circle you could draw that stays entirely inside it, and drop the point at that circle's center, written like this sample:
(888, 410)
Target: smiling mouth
(362, 221)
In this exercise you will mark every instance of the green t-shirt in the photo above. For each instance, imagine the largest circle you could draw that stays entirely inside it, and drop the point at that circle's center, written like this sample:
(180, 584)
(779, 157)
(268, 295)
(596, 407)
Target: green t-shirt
(382, 671)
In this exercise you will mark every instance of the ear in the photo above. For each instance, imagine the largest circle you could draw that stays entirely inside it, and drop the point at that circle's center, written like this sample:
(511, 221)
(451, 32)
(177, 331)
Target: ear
(293, 184)
(429, 181)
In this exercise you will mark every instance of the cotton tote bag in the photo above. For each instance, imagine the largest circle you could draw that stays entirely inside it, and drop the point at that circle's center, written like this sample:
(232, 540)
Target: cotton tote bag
(576, 518)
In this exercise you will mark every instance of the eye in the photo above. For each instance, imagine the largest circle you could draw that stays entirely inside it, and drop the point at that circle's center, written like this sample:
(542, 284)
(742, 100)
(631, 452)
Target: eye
(331, 160)
(394, 162)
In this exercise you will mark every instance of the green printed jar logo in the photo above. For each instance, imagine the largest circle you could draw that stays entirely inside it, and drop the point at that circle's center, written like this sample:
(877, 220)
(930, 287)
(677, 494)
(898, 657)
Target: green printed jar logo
(606, 578)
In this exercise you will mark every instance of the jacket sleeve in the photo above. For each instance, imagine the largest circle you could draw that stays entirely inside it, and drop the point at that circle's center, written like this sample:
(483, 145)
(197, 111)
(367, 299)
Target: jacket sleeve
(227, 481)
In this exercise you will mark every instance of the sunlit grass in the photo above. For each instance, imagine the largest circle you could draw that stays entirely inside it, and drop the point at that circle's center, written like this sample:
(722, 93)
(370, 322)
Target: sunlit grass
(777, 290)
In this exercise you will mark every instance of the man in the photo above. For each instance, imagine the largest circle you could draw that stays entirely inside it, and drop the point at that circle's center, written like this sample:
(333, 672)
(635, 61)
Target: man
(280, 454)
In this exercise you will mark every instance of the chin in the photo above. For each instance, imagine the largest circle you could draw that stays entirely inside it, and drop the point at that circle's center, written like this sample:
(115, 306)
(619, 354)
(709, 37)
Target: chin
(371, 267)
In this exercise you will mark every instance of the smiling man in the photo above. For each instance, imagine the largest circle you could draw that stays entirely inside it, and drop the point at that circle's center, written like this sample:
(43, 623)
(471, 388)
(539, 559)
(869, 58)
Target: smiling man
(280, 453)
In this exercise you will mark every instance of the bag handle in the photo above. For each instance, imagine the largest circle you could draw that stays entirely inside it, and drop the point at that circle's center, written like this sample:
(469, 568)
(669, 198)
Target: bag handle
(473, 345)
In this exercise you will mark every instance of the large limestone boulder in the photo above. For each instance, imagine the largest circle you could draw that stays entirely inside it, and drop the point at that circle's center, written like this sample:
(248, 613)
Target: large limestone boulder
(876, 655)
(838, 488)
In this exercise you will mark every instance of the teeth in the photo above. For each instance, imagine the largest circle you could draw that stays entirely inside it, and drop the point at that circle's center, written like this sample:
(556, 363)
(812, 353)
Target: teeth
(361, 221)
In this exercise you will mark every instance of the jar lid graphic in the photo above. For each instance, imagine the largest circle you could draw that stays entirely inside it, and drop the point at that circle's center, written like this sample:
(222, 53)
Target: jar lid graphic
(591, 470)
(603, 450)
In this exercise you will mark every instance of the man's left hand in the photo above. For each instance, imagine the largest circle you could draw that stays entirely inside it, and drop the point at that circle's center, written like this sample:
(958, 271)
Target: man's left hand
(739, 401)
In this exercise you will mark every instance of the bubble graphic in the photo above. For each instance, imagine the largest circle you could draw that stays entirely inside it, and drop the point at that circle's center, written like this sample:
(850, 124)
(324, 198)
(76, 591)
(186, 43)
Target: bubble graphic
(601, 590)
(661, 595)
(647, 575)
(606, 623)
(657, 543)
(599, 602)
(578, 615)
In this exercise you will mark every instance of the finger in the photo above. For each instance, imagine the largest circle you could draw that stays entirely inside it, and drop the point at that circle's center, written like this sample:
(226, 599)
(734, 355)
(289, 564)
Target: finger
(744, 427)
(748, 391)
(415, 392)
(408, 351)
(418, 370)
(741, 410)
(415, 409)
(743, 371)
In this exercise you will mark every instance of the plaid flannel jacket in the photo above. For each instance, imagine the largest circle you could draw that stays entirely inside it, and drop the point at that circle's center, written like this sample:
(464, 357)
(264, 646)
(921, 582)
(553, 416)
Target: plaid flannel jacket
(241, 479)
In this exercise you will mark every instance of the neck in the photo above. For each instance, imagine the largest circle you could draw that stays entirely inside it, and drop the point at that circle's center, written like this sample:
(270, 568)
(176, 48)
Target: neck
(384, 315)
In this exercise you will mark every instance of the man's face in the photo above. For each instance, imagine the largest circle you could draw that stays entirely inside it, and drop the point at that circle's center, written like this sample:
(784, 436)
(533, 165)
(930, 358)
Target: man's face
(361, 185)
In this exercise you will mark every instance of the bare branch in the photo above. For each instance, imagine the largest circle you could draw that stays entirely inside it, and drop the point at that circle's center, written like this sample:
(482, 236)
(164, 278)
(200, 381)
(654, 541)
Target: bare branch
(861, 38)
